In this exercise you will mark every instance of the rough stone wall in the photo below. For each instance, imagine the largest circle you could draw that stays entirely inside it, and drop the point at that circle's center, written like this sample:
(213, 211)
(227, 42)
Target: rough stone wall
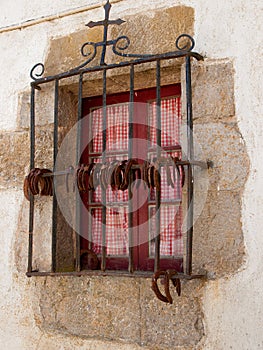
(94, 313)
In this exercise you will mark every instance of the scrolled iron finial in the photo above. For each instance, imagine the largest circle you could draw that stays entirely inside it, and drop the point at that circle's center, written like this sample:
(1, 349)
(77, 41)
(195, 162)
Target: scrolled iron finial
(35, 73)
(121, 43)
(188, 46)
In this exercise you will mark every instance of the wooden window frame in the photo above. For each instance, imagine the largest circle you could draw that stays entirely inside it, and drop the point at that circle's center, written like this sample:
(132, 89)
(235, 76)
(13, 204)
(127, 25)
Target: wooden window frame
(142, 259)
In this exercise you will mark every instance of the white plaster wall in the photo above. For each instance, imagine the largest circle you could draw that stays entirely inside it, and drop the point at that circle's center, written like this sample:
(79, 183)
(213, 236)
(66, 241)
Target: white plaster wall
(233, 307)
(15, 12)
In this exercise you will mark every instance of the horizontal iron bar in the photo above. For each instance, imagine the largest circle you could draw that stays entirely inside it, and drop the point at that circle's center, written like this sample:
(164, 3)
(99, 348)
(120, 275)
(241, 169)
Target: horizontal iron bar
(141, 274)
(134, 166)
(59, 173)
(164, 56)
(201, 164)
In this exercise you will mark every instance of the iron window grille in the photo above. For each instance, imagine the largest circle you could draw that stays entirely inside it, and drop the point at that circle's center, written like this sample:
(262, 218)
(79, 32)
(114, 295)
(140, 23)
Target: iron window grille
(118, 47)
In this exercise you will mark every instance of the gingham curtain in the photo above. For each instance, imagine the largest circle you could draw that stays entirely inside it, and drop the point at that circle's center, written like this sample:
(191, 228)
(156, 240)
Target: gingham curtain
(117, 201)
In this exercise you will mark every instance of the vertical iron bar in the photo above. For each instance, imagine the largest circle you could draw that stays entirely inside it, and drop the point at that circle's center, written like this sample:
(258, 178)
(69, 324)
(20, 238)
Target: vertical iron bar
(32, 165)
(54, 207)
(78, 155)
(130, 152)
(158, 154)
(90, 146)
(190, 179)
(104, 146)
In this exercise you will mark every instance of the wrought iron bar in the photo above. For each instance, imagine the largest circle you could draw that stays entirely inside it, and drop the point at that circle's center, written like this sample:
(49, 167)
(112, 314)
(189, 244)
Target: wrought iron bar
(104, 147)
(30, 234)
(190, 179)
(78, 155)
(32, 128)
(32, 165)
(130, 152)
(201, 164)
(55, 205)
(77, 71)
(158, 154)
(141, 274)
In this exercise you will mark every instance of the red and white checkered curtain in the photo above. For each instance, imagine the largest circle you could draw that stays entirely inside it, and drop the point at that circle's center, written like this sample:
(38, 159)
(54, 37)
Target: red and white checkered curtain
(170, 228)
(116, 128)
(170, 121)
(116, 230)
(117, 201)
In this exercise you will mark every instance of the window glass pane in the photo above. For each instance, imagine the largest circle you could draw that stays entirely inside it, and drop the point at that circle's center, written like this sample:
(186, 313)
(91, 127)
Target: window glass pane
(170, 121)
(117, 128)
(170, 228)
(117, 138)
(96, 130)
(116, 230)
(171, 177)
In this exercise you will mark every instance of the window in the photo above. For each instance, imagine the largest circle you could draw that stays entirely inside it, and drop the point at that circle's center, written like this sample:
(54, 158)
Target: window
(134, 136)
(140, 228)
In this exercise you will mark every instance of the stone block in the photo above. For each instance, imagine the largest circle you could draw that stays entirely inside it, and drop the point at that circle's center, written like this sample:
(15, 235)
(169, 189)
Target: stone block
(44, 147)
(15, 155)
(218, 245)
(212, 90)
(98, 307)
(166, 326)
(149, 33)
(14, 158)
(224, 146)
(42, 234)
(44, 104)
(154, 32)
(65, 52)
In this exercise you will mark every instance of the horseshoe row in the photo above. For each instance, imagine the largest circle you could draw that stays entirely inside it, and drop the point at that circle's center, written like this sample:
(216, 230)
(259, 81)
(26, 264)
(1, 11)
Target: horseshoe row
(119, 174)
(116, 174)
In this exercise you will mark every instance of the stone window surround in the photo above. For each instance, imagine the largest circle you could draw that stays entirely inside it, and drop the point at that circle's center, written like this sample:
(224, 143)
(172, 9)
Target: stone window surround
(119, 82)
(146, 79)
